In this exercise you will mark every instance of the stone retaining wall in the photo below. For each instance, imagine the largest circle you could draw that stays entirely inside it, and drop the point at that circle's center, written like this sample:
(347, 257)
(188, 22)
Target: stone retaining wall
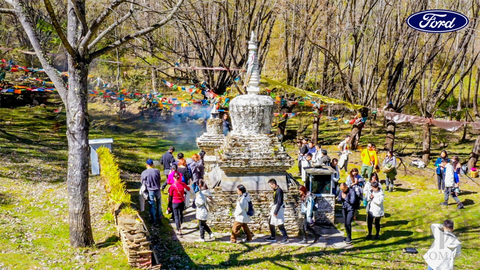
(134, 236)
(222, 218)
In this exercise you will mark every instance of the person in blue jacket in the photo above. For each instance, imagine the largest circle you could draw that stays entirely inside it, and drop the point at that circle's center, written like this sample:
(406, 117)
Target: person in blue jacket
(441, 171)
(307, 210)
(348, 198)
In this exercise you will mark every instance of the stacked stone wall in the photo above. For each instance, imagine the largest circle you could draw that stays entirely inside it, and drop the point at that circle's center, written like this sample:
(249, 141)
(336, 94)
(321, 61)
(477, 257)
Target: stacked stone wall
(253, 153)
(222, 218)
(326, 209)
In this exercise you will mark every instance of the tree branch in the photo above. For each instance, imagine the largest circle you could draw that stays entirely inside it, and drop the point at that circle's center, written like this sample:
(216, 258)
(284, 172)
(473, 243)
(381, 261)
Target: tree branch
(80, 17)
(59, 29)
(109, 29)
(142, 32)
(98, 22)
(28, 25)
(7, 11)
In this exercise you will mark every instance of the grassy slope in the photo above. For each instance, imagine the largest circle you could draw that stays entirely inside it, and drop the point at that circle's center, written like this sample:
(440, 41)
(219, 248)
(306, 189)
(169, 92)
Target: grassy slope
(33, 198)
(34, 158)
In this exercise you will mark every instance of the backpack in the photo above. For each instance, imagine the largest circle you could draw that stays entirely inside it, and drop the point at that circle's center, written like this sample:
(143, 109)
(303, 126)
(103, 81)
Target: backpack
(250, 211)
(188, 174)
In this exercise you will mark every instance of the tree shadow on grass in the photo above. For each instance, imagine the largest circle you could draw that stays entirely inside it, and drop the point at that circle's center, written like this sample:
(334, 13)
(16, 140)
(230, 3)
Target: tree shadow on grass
(354, 258)
(15, 138)
(110, 241)
(391, 223)
(397, 189)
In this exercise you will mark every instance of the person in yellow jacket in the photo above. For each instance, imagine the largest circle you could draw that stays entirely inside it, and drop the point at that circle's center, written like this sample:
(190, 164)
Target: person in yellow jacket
(369, 160)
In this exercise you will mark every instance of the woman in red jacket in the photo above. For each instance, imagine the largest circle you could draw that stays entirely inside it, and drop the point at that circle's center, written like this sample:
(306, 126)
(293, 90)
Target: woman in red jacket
(177, 191)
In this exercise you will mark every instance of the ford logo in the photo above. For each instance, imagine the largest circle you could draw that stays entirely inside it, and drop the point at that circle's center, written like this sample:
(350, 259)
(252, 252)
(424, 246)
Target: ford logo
(437, 21)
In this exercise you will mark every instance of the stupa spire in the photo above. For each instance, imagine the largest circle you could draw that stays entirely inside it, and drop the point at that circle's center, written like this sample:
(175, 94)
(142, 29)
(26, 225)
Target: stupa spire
(253, 69)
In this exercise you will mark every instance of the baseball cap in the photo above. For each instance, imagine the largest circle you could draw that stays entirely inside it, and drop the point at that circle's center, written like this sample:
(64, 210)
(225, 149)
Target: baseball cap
(150, 162)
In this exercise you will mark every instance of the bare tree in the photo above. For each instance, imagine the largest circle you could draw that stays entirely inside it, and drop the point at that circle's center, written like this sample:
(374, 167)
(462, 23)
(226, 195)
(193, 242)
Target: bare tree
(82, 42)
(215, 33)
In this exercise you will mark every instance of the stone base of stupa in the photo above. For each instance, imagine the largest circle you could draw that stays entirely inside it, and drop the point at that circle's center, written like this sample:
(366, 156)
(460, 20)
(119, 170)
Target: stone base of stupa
(261, 153)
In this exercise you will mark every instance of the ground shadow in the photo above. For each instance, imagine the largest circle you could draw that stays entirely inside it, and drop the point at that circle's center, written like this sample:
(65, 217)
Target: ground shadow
(467, 192)
(397, 189)
(395, 223)
(110, 241)
(468, 202)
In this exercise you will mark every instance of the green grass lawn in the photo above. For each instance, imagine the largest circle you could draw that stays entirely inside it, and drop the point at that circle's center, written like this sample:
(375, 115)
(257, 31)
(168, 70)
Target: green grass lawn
(34, 212)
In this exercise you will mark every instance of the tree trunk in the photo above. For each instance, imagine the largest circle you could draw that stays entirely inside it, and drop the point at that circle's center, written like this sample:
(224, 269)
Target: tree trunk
(357, 130)
(154, 80)
(316, 122)
(355, 135)
(472, 161)
(390, 139)
(427, 141)
(78, 155)
(475, 95)
(282, 126)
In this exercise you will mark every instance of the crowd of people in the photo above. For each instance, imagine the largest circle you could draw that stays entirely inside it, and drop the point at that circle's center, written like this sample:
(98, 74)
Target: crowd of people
(364, 187)
(185, 178)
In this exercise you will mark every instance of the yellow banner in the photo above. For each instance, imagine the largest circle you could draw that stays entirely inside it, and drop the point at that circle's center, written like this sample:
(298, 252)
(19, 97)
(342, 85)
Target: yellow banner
(305, 93)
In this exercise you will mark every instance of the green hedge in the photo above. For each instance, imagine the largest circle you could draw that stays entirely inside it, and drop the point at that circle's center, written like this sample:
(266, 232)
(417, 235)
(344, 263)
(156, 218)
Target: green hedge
(115, 187)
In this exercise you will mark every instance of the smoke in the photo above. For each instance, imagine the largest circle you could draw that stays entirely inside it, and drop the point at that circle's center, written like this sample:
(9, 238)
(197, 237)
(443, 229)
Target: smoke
(183, 125)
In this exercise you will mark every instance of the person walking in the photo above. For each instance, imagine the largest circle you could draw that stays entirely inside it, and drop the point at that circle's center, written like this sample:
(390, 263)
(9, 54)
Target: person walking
(307, 162)
(167, 160)
(227, 127)
(375, 209)
(202, 211)
(445, 248)
(324, 159)
(151, 179)
(369, 160)
(277, 210)
(348, 198)
(302, 152)
(449, 179)
(440, 171)
(184, 171)
(170, 177)
(180, 156)
(343, 147)
(311, 148)
(353, 176)
(198, 170)
(241, 216)
(367, 189)
(177, 191)
(318, 154)
(307, 207)
(335, 176)
(389, 167)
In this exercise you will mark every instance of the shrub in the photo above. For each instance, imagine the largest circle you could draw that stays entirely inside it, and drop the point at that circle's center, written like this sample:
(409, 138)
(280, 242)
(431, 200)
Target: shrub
(110, 173)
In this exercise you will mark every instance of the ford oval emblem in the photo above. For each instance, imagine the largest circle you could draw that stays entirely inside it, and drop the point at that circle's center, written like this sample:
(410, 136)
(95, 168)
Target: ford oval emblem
(437, 21)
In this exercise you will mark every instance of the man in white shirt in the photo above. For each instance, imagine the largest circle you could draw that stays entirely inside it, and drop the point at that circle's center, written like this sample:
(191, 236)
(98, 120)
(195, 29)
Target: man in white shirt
(445, 248)
(343, 147)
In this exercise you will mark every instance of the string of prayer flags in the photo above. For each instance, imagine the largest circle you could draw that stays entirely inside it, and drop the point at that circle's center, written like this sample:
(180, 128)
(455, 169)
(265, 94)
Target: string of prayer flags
(305, 93)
